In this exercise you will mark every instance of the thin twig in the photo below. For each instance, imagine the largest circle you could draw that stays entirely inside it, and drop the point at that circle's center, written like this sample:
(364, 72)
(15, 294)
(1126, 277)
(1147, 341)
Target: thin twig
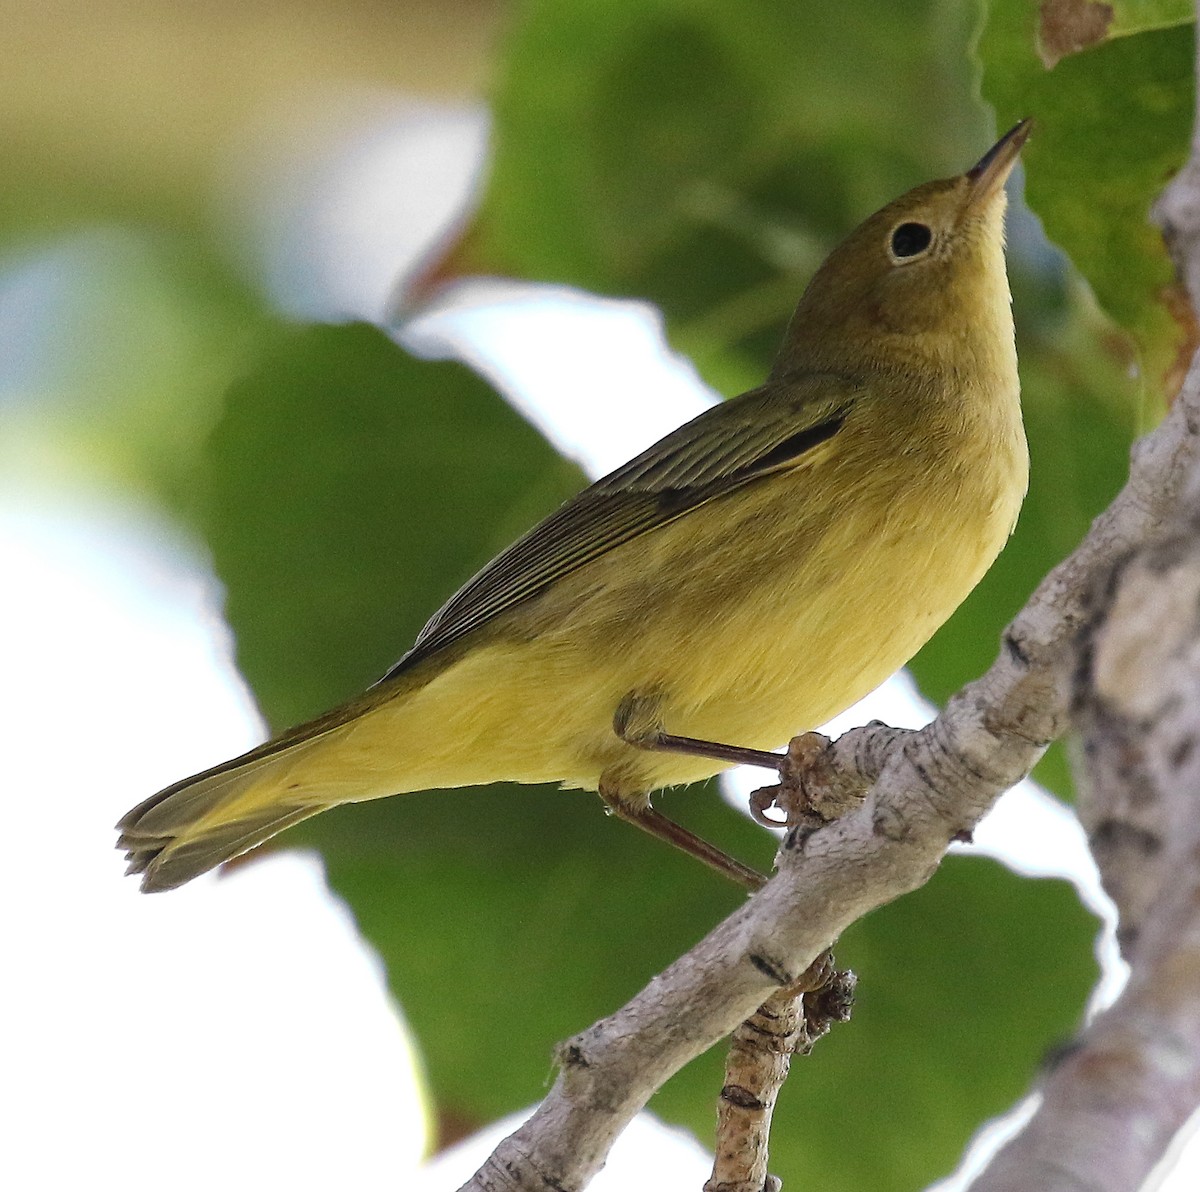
(760, 1051)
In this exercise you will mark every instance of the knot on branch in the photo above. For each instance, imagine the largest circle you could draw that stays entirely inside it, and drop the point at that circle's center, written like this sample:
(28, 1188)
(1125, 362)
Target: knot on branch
(832, 1002)
(571, 1055)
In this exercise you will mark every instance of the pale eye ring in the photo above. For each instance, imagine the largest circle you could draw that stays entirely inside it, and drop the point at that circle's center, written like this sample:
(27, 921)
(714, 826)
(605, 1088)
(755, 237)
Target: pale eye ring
(910, 240)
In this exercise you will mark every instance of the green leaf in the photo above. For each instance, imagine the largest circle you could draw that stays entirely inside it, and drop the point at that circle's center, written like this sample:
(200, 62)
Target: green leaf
(353, 488)
(1069, 26)
(1113, 124)
(1142, 16)
(509, 918)
(707, 155)
(964, 987)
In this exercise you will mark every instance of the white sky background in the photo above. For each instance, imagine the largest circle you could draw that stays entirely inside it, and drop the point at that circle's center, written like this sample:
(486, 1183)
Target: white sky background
(236, 1033)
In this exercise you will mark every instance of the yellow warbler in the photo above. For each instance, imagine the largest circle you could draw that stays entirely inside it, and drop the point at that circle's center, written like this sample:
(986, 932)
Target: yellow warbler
(748, 577)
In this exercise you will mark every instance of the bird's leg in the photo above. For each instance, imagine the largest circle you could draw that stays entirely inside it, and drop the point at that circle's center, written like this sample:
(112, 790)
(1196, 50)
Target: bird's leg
(633, 723)
(638, 811)
(636, 724)
(740, 755)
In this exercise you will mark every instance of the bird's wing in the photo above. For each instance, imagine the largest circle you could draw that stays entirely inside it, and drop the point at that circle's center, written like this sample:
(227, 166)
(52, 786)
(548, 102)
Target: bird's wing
(727, 446)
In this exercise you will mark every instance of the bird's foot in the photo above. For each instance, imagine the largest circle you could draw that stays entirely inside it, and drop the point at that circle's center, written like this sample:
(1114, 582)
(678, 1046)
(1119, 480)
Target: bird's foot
(812, 791)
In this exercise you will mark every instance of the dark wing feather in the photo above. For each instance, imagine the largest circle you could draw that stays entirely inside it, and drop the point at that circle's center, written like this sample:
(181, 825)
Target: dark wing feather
(725, 447)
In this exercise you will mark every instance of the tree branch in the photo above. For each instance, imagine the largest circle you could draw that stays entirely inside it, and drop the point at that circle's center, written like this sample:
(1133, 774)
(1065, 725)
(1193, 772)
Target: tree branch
(760, 1051)
(1113, 1103)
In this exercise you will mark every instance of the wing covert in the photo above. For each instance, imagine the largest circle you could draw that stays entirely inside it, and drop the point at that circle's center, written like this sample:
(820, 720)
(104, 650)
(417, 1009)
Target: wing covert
(725, 447)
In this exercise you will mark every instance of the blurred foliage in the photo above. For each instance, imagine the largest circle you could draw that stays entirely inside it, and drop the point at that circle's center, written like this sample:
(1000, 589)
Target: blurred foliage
(149, 332)
(126, 131)
(1068, 26)
(126, 111)
(353, 488)
(705, 156)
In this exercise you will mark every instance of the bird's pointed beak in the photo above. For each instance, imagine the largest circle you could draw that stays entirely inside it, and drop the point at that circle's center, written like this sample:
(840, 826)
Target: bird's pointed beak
(990, 173)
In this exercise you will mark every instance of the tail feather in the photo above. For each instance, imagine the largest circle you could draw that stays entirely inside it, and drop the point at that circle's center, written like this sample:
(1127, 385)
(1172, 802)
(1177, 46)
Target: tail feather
(196, 824)
(166, 862)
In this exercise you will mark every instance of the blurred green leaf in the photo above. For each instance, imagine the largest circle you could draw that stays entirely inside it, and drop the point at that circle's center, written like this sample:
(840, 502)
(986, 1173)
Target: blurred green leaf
(1114, 123)
(964, 986)
(1141, 16)
(707, 155)
(353, 488)
(510, 918)
(1070, 26)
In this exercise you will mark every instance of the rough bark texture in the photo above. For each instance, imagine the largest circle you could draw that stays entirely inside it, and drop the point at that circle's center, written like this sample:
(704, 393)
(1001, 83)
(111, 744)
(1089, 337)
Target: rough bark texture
(1115, 1101)
(1113, 1104)
(760, 1051)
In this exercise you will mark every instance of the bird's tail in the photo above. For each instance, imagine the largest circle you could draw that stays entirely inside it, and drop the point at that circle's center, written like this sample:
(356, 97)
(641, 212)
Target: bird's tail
(195, 824)
(388, 740)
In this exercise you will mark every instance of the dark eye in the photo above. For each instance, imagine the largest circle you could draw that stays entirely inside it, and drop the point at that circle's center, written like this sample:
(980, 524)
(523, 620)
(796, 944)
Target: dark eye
(911, 239)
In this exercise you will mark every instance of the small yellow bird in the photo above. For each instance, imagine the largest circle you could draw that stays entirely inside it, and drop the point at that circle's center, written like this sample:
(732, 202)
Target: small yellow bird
(751, 575)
